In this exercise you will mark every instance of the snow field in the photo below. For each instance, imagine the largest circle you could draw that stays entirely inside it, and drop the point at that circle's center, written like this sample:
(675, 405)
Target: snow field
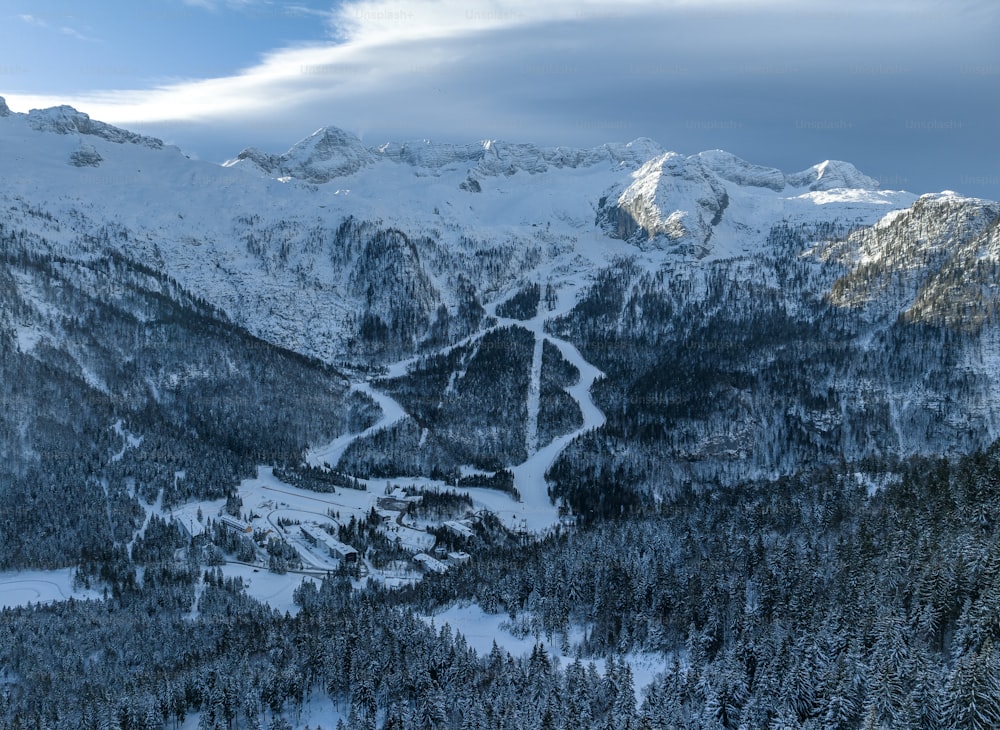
(482, 629)
(19, 588)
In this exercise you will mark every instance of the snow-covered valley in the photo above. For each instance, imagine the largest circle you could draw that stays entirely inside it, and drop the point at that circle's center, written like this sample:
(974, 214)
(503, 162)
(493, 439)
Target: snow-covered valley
(656, 411)
(405, 263)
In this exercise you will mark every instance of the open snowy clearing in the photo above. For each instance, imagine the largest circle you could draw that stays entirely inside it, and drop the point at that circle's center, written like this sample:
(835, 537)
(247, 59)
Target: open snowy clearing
(271, 588)
(482, 629)
(19, 588)
(317, 711)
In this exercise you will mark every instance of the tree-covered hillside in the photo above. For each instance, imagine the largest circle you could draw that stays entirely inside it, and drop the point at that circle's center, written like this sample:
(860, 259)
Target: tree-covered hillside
(814, 601)
(120, 387)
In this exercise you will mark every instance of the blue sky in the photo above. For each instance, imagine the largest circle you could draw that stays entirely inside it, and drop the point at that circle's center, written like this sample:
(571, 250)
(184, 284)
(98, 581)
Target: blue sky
(908, 91)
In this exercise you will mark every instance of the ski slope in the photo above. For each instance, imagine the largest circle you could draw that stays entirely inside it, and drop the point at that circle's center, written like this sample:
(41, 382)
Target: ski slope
(535, 511)
(392, 412)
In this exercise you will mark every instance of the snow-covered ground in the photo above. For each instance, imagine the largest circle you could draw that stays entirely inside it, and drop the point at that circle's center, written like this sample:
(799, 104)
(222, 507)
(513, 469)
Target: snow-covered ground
(19, 588)
(535, 198)
(318, 711)
(532, 197)
(267, 499)
(482, 629)
(271, 588)
(267, 495)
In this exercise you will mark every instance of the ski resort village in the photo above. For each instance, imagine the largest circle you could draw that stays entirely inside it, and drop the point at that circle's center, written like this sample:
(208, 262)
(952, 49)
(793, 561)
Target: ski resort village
(295, 533)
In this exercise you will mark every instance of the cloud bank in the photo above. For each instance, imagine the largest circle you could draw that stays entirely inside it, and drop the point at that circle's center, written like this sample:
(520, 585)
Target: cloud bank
(897, 88)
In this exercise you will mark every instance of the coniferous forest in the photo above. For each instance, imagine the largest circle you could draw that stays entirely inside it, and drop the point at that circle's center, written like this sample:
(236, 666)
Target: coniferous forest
(805, 602)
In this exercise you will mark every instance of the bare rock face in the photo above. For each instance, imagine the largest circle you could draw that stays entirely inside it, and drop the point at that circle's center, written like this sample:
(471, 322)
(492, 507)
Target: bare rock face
(430, 155)
(265, 162)
(331, 153)
(471, 184)
(4, 109)
(86, 155)
(326, 154)
(673, 203)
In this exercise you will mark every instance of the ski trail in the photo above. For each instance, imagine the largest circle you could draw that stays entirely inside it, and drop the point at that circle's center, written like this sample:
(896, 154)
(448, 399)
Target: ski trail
(593, 417)
(331, 452)
(154, 509)
(534, 396)
(535, 512)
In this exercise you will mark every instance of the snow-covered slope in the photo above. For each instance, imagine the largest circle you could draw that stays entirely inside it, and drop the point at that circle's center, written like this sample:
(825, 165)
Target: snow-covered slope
(716, 205)
(370, 256)
(262, 236)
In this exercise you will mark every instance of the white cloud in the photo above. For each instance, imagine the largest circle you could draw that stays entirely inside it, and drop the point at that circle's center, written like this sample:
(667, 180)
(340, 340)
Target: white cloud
(761, 74)
(375, 41)
(388, 21)
(79, 35)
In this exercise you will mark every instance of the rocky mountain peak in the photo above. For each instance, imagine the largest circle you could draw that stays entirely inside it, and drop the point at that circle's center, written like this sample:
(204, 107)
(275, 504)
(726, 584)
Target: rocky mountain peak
(730, 167)
(67, 120)
(831, 175)
(327, 153)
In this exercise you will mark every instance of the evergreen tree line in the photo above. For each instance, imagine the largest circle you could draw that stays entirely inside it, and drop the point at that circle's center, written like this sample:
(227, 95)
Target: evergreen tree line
(805, 602)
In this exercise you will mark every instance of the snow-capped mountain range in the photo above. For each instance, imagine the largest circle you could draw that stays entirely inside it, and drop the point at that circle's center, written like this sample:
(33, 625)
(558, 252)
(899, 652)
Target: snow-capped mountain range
(708, 382)
(254, 235)
(733, 318)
